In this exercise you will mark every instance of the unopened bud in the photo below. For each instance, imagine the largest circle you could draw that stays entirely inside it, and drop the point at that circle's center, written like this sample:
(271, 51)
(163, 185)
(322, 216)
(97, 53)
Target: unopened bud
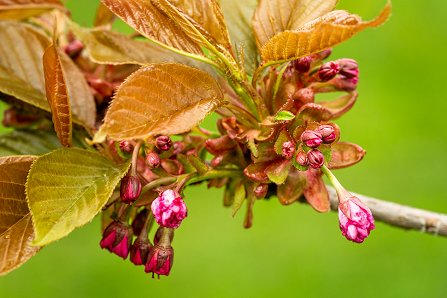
(316, 158)
(328, 133)
(126, 147)
(117, 238)
(323, 54)
(311, 138)
(303, 64)
(261, 190)
(74, 48)
(139, 221)
(152, 160)
(301, 159)
(163, 143)
(130, 189)
(348, 68)
(139, 251)
(178, 147)
(356, 220)
(160, 260)
(328, 71)
(288, 149)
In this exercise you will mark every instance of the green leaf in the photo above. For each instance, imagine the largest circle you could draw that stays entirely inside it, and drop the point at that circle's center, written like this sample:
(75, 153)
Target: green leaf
(282, 138)
(160, 99)
(278, 171)
(67, 188)
(16, 229)
(239, 197)
(284, 116)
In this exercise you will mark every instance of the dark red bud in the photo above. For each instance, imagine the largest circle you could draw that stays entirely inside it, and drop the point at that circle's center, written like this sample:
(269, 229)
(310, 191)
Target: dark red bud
(328, 71)
(348, 68)
(130, 189)
(261, 190)
(14, 118)
(328, 133)
(160, 260)
(178, 147)
(117, 238)
(316, 158)
(311, 138)
(330, 138)
(139, 251)
(303, 64)
(102, 87)
(74, 48)
(139, 220)
(152, 160)
(301, 159)
(126, 146)
(288, 149)
(163, 143)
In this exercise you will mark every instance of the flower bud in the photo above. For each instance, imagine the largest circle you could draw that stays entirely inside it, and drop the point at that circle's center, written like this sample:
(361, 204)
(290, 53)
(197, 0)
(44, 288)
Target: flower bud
(74, 48)
(323, 54)
(302, 64)
(126, 147)
(261, 190)
(328, 133)
(140, 250)
(316, 158)
(117, 239)
(178, 147)
(130, 189)
(163, 143)
(169, 209)
(139, 221)
(153, 160)
(160, 260)
(311, 138)
(328, 71)
(301, 159)
(348, 68)
(288, 149)
(356, 220)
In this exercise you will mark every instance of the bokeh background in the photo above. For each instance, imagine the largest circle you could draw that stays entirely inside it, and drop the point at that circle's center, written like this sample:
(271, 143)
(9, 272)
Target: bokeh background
(293, 251)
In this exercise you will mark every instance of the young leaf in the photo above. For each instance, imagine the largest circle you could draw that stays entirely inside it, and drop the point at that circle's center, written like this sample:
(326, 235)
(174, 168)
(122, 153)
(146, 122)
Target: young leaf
(293, 188)
(341, 105)
(284, 116)
(345, 155)
(21, 71)
(67, 188)
(315, 192)
(238, 15)
(147, 19)
(16, 229)
(20, 9)
(275, 16)
(104, 17)
(320, 34)
(239, 197)
(57, 94)
(278, 171)
(160, 99)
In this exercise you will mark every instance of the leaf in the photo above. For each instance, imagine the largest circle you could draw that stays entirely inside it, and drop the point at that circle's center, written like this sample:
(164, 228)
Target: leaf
(284, 116)
(320, 34)
(16, 229)
(256, 172)
(293, 188)
(160, 99)
(315, 192)
(345, 154)
(20, 9)
(278, 171)
(104, 17)
(239, 197)
(57, 94)
(67, 188)
(108, 47)
(275, 16)
(238, 15)
(341, 105)
(21, 71)
(148, 20)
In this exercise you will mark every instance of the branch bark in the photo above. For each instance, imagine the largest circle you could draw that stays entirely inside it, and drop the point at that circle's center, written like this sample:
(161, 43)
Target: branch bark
(401, 216)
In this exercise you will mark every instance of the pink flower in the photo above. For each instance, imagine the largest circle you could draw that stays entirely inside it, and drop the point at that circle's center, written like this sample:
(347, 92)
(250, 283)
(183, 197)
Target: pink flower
(117, 239)
(311, 138)
(169, 209)
(356, 220)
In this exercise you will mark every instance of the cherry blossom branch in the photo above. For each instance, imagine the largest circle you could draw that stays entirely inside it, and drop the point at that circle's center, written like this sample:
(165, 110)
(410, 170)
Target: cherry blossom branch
(401, 216)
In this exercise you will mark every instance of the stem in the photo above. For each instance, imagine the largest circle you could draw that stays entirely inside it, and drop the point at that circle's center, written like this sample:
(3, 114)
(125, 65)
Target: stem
(278, 80)
(135, 153)
(341, 191)
(157, 183)
(147, 226)
(400, 216)
(214, 174)
(258, 72)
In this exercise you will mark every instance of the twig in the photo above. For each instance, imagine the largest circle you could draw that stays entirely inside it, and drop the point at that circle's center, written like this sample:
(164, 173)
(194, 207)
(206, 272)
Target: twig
(401, 216)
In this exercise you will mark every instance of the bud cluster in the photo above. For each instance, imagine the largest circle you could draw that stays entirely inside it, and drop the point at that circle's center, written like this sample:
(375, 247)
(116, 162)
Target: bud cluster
(323, 134)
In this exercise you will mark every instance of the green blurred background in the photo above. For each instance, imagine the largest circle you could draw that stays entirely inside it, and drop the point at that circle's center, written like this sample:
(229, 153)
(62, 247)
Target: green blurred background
(293, 251)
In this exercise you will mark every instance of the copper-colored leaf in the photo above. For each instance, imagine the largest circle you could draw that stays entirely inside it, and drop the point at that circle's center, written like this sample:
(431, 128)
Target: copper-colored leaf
(316, 193)
(293, 188)
(16, 228)
(21, 71)
(315, 36)
(341, 105)
(275, 16)
(104, 17)
(147, 19)
(20, 9)
(57, 94)
(160, 99)
(238, 15)
(109, 47)
(345, 155)
(278, 171)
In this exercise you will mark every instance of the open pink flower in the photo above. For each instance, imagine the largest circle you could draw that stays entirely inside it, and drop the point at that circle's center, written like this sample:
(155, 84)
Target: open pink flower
(356, 220)
(169, 209)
